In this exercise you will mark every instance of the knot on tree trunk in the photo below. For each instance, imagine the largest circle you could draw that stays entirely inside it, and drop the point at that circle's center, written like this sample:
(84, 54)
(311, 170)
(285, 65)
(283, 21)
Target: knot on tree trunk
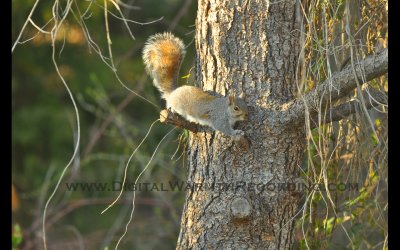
(240, 209)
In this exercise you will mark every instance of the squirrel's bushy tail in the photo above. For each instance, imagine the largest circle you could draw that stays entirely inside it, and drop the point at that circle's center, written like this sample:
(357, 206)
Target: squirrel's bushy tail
(162, 55)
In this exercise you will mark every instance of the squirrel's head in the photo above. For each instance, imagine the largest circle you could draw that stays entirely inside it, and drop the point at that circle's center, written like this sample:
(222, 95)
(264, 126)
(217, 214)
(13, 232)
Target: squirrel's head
(238, 108)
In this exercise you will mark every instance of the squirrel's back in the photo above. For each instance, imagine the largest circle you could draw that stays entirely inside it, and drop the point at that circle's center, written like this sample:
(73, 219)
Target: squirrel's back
(162, 55)
(195, 105)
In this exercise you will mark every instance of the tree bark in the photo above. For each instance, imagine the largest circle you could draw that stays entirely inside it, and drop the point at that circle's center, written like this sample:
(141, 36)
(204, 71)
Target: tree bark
(249, 46)
(245, 199)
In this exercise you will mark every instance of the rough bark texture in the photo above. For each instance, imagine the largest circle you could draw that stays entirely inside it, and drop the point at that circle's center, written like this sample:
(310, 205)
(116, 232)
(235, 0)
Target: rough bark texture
(249, 46)
(244, 199)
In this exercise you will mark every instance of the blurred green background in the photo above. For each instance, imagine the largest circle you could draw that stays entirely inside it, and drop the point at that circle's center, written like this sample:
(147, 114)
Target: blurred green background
(113, 122)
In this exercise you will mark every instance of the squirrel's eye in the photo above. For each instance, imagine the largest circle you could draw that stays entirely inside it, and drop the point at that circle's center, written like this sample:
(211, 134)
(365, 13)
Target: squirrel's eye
(236, 108)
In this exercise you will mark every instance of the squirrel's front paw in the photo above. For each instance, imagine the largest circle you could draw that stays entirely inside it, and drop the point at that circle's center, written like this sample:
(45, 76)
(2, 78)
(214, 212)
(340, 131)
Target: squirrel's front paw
(239, 133)
(242, 142)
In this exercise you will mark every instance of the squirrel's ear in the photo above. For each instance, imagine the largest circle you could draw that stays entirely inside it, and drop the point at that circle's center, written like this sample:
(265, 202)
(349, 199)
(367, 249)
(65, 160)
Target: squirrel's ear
(242, 95)
(231, 99)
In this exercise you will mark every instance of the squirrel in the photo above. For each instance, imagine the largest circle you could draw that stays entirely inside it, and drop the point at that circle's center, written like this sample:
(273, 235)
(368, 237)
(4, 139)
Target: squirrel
(162, 56)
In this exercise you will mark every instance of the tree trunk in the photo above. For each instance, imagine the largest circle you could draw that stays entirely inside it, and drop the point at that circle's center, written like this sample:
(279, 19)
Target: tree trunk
(242, 200)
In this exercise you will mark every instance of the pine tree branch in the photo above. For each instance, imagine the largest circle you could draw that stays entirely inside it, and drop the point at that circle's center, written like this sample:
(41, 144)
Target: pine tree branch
(338, 86)
(373, 97)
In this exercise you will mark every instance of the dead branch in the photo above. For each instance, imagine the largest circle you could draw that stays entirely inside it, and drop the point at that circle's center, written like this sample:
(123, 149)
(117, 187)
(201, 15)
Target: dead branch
(176, 120)
(343, 110)
(339, 85)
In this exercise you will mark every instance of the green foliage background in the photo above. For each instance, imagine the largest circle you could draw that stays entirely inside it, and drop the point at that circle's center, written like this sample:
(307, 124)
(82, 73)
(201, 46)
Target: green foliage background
(44, 128)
